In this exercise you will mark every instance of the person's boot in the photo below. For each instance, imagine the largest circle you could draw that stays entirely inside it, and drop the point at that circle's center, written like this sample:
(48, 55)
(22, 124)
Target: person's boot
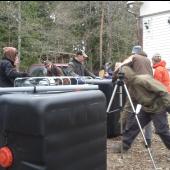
(148, 142)
(168, 157)
(117, 148)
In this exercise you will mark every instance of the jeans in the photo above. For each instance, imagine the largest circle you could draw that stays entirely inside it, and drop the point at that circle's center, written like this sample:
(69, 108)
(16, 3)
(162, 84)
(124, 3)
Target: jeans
(148, 131)
(148, 127)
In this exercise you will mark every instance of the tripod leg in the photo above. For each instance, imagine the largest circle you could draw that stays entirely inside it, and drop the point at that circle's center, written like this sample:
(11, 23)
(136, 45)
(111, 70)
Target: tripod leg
(111, 99)
(121, 106)
(146, 144)
(121, 122)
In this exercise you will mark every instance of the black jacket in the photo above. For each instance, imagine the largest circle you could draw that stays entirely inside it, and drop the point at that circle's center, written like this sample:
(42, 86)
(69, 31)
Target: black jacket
(8, 73)
(75, 68)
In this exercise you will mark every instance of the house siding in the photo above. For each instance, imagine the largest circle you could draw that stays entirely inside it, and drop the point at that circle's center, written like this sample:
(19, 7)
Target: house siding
(153, 7)
(156, 39)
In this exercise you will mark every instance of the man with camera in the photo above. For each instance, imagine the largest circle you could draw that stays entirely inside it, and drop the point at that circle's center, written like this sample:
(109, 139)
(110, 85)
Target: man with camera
(140, 64)
(155, 101)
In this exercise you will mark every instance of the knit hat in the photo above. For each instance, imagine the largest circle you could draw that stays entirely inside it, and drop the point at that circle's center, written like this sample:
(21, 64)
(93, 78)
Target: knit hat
(156, 57)
(136, 49)
(10, 53)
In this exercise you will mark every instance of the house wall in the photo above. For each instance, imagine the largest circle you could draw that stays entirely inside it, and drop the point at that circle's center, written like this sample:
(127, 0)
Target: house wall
(151, 7)
(156, 29)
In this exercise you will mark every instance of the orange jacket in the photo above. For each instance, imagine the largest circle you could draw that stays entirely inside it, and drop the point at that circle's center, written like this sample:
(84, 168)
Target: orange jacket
(161, 74)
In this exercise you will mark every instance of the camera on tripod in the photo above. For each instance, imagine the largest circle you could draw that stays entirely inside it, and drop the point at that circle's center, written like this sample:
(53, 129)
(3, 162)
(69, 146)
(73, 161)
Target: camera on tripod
(121, 75)
(120, 78)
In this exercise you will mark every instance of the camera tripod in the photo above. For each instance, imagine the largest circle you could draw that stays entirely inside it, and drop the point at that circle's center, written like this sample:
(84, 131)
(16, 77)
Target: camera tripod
(121, 84)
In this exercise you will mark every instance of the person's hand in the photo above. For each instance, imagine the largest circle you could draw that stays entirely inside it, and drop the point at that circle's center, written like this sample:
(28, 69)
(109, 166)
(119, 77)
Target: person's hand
(17, 60)
(25, 74)
(80, 81)
(117, 66)
(106, 74)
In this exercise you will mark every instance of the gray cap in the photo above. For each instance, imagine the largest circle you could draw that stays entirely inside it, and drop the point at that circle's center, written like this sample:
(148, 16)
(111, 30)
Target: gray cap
(136, 49)
(156, 57)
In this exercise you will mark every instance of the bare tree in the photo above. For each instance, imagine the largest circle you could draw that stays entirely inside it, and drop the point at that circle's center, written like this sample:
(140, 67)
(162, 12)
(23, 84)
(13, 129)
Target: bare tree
(101, 34)
(19, 34)
(110, 28)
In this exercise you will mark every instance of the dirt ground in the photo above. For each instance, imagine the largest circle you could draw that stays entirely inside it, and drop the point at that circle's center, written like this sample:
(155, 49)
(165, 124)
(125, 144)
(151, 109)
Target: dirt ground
(137, 158)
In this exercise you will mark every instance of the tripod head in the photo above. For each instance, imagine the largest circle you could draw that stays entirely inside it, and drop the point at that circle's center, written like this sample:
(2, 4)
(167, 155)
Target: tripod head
(120, 77)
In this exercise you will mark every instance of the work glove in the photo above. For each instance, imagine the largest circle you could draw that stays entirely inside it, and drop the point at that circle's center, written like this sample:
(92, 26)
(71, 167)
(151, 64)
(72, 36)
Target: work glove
(80, 81)
(25, 74)
(99, 78)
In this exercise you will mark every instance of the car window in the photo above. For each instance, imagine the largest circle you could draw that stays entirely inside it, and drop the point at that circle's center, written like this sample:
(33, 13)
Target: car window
(38, 72)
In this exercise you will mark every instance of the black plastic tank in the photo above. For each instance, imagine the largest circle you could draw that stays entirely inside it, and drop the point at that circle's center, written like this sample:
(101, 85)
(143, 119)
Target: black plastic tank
(64, 131)
(107, 87)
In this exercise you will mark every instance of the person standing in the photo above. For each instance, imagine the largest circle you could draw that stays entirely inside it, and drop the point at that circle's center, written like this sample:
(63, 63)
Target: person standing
(140, 64)
(76, 67)
(52, 69)
(108, 70)
(161, 73)
(155, 101)
(8, 71)
(102, 72)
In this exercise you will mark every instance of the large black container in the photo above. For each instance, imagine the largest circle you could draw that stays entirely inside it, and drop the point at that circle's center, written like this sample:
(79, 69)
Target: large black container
(107, 87)
(113, 125)
(65, 131)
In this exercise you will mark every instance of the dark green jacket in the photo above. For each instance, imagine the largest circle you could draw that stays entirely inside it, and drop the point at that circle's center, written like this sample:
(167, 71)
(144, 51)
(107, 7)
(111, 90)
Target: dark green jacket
(147, 91)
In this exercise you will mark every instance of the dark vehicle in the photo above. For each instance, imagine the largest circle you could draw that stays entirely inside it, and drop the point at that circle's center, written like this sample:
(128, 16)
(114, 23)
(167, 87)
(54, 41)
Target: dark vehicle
(39, 70)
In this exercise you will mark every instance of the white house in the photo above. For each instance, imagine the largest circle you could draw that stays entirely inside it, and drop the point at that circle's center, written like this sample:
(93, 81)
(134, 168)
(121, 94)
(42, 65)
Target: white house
(155, 20)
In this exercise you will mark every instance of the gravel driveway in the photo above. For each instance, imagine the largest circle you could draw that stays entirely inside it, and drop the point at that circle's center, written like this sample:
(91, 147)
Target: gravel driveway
(137, 158)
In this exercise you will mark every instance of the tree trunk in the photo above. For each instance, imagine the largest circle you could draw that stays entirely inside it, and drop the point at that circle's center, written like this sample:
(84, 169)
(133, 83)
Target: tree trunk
(91, 59)
(101, 35)
(19, 34)
(110, 29)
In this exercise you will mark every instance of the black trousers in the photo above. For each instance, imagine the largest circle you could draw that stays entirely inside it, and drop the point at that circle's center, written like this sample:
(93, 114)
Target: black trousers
(160, 122)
